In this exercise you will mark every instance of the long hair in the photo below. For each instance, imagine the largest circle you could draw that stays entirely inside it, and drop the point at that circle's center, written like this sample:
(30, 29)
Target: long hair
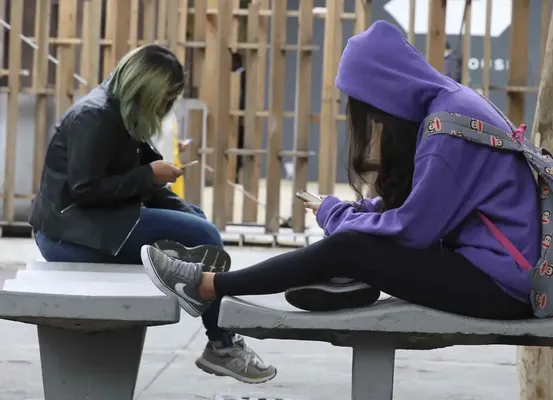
(146, 82)
(398, 139)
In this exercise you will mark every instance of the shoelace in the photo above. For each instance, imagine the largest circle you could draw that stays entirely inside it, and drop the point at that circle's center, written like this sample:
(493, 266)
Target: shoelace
(186, 271)
(249, 357)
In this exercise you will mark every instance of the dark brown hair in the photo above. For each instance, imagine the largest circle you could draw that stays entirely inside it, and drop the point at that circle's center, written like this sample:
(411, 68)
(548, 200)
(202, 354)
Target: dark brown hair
(397, 152)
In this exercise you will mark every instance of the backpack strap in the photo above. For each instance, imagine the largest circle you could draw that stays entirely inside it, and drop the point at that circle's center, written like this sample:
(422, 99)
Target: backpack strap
(470, 129)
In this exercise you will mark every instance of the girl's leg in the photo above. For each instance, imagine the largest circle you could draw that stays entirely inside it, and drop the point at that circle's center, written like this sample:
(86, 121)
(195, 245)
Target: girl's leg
(161, 226)
(54, 250)
(435, 278)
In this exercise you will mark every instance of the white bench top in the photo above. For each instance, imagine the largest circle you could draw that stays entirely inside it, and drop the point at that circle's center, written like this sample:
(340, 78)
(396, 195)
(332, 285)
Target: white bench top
(410, 326)
(85, 296)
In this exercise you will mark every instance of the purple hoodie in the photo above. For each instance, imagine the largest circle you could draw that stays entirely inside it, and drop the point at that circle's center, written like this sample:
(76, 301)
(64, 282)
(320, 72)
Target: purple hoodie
(453, 177)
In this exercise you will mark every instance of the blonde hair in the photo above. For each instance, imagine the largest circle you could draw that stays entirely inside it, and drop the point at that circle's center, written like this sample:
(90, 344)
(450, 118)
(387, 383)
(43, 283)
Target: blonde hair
(146, 82)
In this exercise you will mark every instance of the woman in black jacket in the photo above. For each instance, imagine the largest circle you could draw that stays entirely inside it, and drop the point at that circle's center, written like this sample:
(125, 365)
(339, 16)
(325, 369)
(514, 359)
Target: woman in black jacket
(104, 193)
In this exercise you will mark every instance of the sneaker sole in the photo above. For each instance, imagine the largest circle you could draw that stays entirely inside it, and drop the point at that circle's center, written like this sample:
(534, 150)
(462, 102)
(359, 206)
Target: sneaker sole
(329, 298)
(209, 255)
(156, 280)
(217, 370)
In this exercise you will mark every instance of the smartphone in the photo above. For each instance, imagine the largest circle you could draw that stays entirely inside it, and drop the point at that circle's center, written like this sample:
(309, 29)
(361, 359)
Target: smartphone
(189, 164)
(308, 197)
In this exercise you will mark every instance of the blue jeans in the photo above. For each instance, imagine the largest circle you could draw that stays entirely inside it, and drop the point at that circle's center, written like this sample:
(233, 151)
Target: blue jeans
(155, 224)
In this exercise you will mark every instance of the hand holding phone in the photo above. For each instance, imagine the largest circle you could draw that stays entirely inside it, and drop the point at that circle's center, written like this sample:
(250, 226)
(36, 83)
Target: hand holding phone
(308, 197)
(189, 164)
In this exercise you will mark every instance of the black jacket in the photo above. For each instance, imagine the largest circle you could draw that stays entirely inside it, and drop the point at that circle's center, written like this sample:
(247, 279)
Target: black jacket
(96, 178)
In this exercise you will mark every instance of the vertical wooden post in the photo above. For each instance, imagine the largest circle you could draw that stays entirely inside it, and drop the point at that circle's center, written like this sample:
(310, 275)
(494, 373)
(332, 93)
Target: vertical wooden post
(412, 12)
(14, 83)
(90, 51)
(545, 18)
(253, 128)
(67, 29)
(149, 21)
(134, 22)
(535, 364)
(518, 60)
(487, 50)
(2, 33)
(221, 111)
(162, 22)
(276, 114)
(234, 103)
(173, 25)
(182, 29)
(435, 41)
(363, 15)
(465, 80)
(250, 163)
(40, 84)
(193, 183)
(118, 14)
(303, 110)
(328, 141)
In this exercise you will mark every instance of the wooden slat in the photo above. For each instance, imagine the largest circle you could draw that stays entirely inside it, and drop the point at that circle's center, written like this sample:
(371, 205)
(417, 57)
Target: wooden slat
(40, 81)
(328, 139)
(192, 185)
(303, 110)
(486, 71)
(363, 13)
(14, 83)
(65, 84)
(276, 114)
(518, 64)
(90, 53)
(161, 33)
(251, 165)
(466, 45)
(173, 25)
(182, 29)
(2, 36)
(545, 19)
(134, 24)
(235, 77)
(535, 364)
(412, 12)
(221, 112)
(149, 20)
(118, 18)
(435, 40)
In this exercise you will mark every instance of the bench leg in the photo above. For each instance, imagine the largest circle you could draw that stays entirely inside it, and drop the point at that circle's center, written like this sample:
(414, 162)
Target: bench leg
(373, 370)
(99, 366)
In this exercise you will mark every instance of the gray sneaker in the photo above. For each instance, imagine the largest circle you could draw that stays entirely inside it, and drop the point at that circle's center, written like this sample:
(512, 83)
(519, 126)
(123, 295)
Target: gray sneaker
(237, 361)
(180, 279)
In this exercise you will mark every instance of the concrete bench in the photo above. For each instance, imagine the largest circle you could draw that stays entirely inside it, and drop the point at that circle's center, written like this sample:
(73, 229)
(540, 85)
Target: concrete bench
(91, 320)
(376, 332)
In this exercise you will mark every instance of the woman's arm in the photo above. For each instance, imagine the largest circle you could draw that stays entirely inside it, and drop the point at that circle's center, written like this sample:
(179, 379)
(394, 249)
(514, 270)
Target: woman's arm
(89, 151)
(433, 208)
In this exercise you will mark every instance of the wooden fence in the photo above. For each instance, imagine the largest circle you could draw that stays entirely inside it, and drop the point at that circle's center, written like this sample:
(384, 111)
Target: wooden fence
(58, 49)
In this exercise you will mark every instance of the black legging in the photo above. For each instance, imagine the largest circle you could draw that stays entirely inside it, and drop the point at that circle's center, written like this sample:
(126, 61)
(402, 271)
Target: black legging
(436, 278)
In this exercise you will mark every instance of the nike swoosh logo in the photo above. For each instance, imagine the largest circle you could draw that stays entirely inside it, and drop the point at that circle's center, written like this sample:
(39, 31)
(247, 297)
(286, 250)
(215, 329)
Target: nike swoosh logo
(179, 288)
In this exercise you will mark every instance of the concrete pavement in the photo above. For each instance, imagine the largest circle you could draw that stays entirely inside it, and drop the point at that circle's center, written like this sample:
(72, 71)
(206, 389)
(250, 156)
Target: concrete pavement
(307, 370)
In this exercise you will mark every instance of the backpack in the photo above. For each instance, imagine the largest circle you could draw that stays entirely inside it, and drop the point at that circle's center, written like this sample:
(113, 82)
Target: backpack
(541, 162)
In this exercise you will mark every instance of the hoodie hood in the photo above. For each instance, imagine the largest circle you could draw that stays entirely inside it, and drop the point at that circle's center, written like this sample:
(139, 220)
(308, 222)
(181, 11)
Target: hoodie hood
(380, 68)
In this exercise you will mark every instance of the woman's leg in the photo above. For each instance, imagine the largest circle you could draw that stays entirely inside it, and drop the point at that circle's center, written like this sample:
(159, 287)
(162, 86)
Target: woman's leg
(434, 278)
(158, 225)
(58, 251)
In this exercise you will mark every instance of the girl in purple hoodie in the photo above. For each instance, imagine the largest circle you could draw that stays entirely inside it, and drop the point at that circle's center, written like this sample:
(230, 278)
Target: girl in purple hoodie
(421, 239)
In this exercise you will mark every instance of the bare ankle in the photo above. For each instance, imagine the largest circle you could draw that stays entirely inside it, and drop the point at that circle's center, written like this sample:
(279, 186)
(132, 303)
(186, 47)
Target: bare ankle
(206, 290)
